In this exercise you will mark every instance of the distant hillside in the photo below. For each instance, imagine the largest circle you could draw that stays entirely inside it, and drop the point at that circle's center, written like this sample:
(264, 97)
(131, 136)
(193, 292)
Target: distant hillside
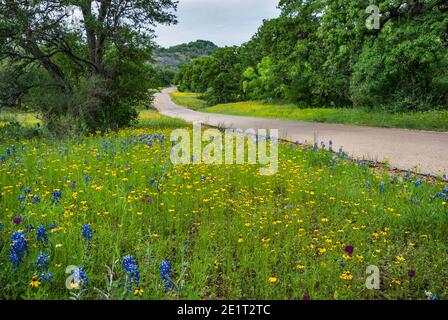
(177, 55)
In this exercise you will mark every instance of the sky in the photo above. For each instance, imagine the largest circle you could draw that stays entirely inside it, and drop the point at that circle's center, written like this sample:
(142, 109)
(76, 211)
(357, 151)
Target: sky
(224, 22)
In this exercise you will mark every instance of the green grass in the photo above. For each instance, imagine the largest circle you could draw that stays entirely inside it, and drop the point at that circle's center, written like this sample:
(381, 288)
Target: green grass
(432, 120)
(21, 117)
(228, 232)
(188, 99)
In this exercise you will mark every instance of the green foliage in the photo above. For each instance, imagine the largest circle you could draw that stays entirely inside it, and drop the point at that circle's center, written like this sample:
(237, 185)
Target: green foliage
(320, 53)
(217, 76)
(406, 68)
(14, 131)
(83, 76)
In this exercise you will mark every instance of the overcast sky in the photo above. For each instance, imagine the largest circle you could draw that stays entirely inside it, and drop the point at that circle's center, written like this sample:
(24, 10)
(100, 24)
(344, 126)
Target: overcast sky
(225, 22)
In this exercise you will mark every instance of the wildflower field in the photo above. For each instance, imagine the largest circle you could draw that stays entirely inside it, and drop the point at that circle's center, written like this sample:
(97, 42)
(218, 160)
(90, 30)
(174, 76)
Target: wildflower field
(110, 217)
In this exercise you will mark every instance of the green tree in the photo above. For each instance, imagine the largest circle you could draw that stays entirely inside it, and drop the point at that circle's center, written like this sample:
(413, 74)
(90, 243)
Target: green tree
(107, 48)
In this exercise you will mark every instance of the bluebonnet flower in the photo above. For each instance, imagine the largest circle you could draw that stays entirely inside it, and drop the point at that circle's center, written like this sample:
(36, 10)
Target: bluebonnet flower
(165, 274)
(29, 228)
(52, 226)
(79, 276)
(56, 196)
(431, 296)
(445, 190)
(35, 199)
(441, 195)
(3, 159)
(1, 226)
(418, 183)
(21, 198)
(19, 247)
(87, 233)
(382, 185)
(42, 234)
(42, 264)
(151, 181)
(27, 190)
(315, 147)
(132, 272)
(87, 178)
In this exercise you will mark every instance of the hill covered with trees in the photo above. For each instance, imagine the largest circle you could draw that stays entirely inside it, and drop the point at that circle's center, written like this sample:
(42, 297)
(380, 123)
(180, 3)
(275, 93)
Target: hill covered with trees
(167, 61)
(320, 53)
(178, 55)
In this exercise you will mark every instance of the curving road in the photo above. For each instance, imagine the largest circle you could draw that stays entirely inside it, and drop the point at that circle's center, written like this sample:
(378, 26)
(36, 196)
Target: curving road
(419, 151)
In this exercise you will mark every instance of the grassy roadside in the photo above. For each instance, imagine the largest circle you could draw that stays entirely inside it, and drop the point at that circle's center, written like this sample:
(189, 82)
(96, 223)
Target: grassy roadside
(188, 99)
(432, 120)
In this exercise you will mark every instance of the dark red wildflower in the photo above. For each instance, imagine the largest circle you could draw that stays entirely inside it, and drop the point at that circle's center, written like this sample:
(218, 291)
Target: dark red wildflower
(306, 297)
(411, 273)
(17, 220)
(349, 250)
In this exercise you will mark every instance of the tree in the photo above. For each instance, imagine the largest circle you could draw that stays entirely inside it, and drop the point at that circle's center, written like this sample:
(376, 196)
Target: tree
(320, 53)
(109, 45)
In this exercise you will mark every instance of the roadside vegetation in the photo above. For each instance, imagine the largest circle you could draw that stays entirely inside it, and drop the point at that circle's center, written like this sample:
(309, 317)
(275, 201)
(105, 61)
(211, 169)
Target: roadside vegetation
(135, 226)
(427, 120)
(320, 54)
(436, 120)
(190, 100)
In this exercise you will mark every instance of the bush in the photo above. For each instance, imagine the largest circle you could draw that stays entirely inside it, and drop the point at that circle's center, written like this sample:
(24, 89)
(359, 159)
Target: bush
(15, 131)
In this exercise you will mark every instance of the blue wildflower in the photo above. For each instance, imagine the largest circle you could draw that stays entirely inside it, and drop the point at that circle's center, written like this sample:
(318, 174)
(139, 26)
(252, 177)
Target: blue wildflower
(382, 185)
(42, 262)
(42, 234)
(35, 199)
(27, 190)
(87, 233)
(1, 226)
(418, 183)
(56, 196)
(165, 274)
(19, 247)
(21, 198)
(441, 195)
(151, 181)
(132, 272)
(80, 277)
